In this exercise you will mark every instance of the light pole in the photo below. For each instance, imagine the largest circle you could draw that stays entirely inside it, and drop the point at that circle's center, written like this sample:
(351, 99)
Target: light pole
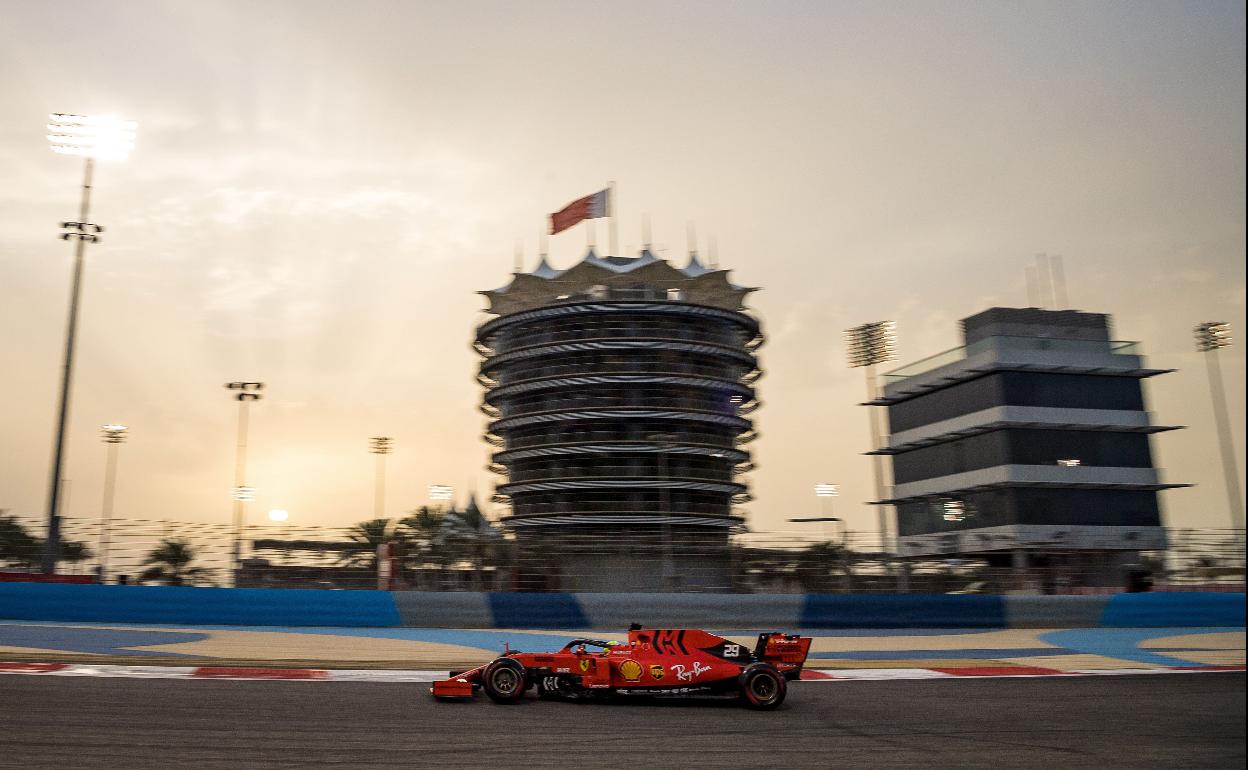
(91, 137)
(826, 492)
(244, 393)
(1210, 337)
(111, 435)
(871, 344)
(666, 441)
(380, 446)
(281, 516)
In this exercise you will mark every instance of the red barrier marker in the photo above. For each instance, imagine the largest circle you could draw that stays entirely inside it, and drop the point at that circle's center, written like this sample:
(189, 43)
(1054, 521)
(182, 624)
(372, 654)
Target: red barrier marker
(32, 668)
(1000, 671)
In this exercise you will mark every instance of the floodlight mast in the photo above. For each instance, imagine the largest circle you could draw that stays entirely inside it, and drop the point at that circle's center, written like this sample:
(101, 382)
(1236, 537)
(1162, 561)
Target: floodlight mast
(244, 393)
(1212, 336)
(825, 492)
(442, 493)
(380, 446)
(871, 344)
(105, 138)
(112, 435)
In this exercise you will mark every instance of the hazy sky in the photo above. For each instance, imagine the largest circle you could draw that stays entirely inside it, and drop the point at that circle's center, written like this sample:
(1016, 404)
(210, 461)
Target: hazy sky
(319, 188)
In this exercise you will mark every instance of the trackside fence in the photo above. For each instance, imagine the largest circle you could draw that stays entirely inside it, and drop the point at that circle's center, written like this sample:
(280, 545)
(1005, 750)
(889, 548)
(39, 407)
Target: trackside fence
(442, 555)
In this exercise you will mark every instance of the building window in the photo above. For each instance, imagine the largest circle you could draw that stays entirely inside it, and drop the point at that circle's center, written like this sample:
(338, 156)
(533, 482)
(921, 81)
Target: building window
(1024, 446)
(1063, 391)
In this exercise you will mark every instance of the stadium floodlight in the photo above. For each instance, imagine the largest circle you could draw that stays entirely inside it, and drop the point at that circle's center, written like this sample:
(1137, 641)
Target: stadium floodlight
(380, 446)
(872, 343)
(1211, 337)
(112, 435)
(868, 345)
(102, 137)
(826, 492)
(244, 393)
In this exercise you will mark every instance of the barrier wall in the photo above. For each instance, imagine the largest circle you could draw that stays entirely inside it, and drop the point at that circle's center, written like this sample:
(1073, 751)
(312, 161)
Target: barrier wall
(291, 607)
(1160, 610)
(196, 606)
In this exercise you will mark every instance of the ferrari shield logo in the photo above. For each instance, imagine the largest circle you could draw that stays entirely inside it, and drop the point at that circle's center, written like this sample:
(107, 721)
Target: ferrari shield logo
(630, 670)
(656, 672)
(584, 664)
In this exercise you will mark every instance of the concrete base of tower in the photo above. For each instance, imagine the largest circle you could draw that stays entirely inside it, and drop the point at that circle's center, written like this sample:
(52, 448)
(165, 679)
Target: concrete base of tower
(622, 559)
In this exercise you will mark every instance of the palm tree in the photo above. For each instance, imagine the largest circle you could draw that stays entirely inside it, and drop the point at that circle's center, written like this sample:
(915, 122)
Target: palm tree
(171, 564)
(75, 551)
(366, 536)
(17, 546)
(22, 549)
(422, 530)
(469, 535)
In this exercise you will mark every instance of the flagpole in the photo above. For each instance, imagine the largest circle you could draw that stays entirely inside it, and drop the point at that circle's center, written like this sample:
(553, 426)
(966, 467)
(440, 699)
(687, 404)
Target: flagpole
(615, 230)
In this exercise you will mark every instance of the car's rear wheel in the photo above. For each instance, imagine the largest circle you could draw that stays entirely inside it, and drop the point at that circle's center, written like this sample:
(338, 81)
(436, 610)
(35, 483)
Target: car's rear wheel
(762, 687)
(503, 680)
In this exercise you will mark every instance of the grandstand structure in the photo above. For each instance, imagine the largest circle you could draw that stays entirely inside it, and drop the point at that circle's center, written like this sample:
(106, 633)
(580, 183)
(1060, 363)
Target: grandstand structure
(619, 393)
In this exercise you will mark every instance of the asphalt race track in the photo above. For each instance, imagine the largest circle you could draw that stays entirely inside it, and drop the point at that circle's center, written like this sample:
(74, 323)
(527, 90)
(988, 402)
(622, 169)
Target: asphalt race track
(1170, 720)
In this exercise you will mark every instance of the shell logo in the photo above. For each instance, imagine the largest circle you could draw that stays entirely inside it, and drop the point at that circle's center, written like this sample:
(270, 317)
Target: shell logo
(630, 670)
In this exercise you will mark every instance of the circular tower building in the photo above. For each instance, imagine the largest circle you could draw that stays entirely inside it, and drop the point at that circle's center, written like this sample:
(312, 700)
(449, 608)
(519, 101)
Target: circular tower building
(619, 392)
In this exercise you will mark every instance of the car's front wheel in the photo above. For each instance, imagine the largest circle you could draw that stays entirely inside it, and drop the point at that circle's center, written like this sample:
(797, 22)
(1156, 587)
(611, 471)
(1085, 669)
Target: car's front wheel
(503, 680)
(762, 687)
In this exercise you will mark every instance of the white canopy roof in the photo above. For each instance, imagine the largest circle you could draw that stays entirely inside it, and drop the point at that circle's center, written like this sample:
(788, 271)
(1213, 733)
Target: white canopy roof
(594, 277)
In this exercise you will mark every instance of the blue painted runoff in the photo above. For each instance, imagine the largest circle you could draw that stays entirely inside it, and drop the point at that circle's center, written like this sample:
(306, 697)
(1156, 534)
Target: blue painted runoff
(99, 641)
(1123, 643)
(1160, 610)
(490, 640)
(194, 606)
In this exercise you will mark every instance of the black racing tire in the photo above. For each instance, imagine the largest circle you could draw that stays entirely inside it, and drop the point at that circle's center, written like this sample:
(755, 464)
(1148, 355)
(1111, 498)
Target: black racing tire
(762, 687)
(504, 680)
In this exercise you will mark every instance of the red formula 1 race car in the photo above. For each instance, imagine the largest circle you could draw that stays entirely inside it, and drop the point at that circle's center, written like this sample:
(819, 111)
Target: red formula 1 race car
(654, 662)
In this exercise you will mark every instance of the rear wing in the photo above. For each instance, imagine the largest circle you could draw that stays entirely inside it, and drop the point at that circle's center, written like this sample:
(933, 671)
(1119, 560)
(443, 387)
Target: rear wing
(787, 652)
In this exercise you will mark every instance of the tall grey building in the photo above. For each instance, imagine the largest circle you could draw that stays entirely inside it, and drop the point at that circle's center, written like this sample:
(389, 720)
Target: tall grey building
(1031, 440)
(619, 393)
